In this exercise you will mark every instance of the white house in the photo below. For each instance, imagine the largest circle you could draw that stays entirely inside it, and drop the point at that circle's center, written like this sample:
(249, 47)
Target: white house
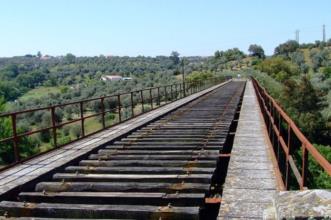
(114, 78)
(111, 78)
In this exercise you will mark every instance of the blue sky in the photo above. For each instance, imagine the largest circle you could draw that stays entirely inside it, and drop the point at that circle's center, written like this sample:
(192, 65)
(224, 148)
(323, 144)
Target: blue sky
(155, 27)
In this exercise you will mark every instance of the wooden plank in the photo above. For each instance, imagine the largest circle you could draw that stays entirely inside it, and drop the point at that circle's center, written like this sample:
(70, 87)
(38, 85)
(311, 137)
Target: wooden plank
(60, 210)
(181, 187)
(47, 218)
(172, 139)
(166, 178)
(151, 157)
(163, 147)
(183, 126)
(163, 163)
(119, 198)
(177, 135)
(158, 152)
(162, 131)
(139, 170)
(165, 144)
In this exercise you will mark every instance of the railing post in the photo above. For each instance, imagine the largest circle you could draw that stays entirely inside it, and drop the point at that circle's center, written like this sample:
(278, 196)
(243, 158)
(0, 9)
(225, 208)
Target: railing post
(171, 93)
(15, 140)
(278, 140)
(270, 118)
(132, 105)
(103, 112)
(119, 107)
(151, 97)
(142, 101)
(158, 96)
(273, 133)
(82, 118)
(176, 91)
(54, 126)
(287, 171)
(304, 171)
(184, 92)
(165, 94)
(180, 91)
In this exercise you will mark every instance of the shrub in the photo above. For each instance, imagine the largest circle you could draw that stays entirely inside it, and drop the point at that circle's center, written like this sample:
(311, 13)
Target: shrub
(279, 68)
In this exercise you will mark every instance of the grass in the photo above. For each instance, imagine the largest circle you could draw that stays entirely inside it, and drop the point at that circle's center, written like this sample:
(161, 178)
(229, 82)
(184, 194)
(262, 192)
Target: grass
(306, 54)
(39, 92)
(92, 125)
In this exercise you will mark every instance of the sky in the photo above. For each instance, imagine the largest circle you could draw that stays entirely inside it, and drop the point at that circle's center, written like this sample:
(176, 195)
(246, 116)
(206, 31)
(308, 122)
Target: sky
(156, 27)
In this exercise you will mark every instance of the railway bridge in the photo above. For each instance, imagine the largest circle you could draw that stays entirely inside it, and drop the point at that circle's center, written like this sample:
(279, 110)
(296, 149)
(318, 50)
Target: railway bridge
(216, 150)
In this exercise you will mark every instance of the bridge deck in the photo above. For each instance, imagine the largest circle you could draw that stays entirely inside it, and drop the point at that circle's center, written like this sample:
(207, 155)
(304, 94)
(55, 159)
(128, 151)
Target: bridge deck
(166, 169)
(250, 183)
(35, 168)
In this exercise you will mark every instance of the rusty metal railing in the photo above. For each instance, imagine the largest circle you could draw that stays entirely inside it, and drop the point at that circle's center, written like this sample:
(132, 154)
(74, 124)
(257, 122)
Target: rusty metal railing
(109, 111)
(286, 137)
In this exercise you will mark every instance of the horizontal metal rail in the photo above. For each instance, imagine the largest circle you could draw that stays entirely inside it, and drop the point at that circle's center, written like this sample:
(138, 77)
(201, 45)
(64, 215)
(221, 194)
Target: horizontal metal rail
(285, 137)
(151, 98)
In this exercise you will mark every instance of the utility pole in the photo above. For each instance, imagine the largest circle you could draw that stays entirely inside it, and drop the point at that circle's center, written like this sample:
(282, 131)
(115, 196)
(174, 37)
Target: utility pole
(297, 35)
(324, 37)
